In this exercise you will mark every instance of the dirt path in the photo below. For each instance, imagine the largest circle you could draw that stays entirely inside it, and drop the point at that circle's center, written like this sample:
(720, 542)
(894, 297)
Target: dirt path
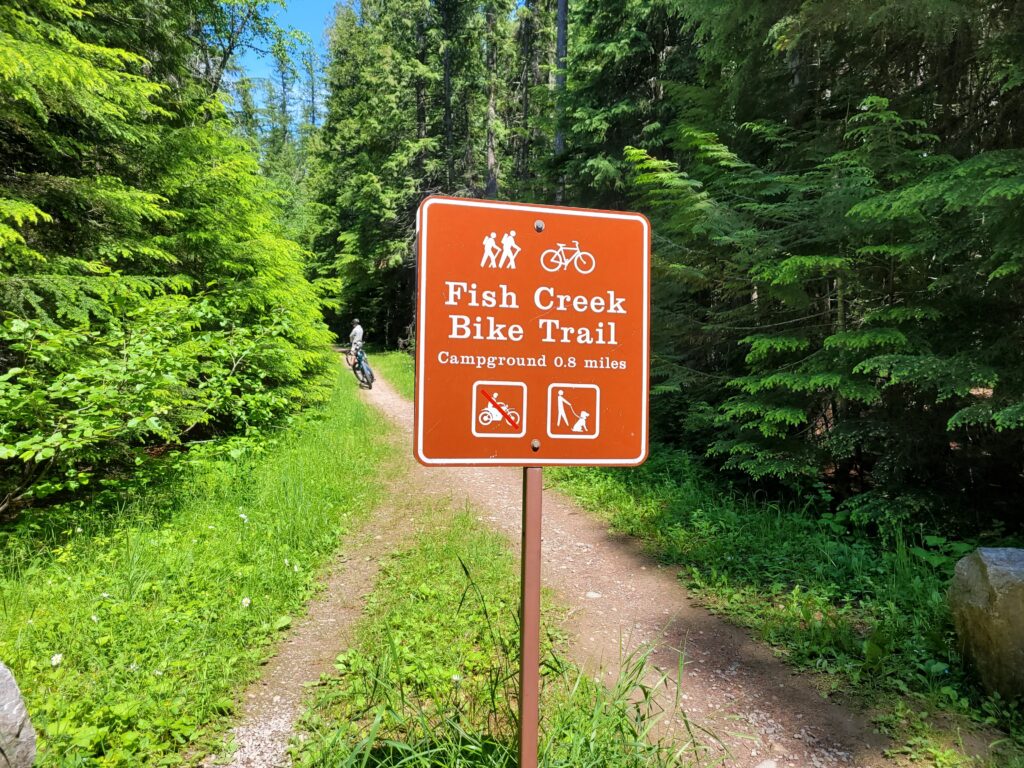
(273, 703)
(765, 715)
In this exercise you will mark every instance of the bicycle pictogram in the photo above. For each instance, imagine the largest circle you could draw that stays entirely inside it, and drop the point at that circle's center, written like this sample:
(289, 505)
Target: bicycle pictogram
(564, 256)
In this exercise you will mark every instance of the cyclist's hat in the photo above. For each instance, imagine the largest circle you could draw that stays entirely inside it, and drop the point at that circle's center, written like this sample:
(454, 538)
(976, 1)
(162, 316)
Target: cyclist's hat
(355, 321)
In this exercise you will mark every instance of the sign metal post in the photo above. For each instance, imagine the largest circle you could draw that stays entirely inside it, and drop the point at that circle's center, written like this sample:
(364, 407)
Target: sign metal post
(532, 350)
(529, 621)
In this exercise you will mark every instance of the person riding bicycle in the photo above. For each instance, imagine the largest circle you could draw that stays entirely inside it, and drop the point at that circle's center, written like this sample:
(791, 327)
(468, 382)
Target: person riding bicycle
(356, 337)
(361, 366)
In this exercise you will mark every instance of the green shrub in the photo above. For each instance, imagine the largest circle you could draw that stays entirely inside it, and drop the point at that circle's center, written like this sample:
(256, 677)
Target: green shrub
(130, 634)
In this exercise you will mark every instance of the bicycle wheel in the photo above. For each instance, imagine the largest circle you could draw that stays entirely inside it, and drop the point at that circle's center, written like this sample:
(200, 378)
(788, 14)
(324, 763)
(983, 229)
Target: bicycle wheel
(367, 375)
(585, 263)
(552, 260)
(357, 371)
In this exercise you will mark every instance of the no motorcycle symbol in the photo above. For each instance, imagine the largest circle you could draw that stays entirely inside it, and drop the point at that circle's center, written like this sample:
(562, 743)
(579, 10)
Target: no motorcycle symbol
(499, 409)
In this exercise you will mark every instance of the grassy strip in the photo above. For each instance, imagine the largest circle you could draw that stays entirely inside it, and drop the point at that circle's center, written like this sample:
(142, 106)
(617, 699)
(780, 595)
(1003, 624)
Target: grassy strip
(432, 679)
(874, 618)
(130, 638)
(398, 368)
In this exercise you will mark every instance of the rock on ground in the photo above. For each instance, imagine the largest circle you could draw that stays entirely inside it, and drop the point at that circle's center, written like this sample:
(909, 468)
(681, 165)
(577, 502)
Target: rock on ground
(17, 736)
(987, 602)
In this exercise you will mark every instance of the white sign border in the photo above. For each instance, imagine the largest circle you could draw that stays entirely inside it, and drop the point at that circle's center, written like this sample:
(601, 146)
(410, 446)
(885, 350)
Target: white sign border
(421, 311)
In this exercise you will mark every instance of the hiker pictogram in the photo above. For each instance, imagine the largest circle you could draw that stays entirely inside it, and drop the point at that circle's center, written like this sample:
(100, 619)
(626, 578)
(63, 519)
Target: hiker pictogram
(508, 251)
(499, 409)
(573, 411)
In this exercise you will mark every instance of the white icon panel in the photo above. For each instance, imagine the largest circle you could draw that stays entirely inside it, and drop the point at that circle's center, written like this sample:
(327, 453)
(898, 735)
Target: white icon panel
(574, 411)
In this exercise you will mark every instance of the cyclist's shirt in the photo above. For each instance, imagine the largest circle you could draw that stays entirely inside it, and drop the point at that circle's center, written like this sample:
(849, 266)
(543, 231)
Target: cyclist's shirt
(356, 337)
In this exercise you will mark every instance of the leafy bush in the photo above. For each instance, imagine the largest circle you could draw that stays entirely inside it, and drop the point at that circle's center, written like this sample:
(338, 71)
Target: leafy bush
(147, 299)
(130, 635)
(831, 598)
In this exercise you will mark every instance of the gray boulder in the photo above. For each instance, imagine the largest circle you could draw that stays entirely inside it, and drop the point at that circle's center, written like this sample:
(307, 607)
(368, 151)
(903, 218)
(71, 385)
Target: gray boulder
(17, 736)
(987, 601)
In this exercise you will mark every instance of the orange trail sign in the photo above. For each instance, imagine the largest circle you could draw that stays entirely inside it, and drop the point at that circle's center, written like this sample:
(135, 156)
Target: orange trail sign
(533, 327)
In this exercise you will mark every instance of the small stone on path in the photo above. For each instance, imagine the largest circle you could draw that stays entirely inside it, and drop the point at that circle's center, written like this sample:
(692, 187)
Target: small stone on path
(593, 595)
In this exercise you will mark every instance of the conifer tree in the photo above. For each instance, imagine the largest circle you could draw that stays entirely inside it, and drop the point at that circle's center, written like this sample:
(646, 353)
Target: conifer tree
(148, 299)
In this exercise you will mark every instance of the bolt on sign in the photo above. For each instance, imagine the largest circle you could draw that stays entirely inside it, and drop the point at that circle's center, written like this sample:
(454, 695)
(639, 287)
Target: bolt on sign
(532, 334)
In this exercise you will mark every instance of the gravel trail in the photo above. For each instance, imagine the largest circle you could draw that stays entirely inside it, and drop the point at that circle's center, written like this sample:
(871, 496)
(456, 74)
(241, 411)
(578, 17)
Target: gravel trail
(763, 714)
(273, 703)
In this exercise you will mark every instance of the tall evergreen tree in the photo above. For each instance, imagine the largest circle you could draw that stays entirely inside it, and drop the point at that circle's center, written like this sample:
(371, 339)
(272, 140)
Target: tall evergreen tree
(848, 232)
(147, 296)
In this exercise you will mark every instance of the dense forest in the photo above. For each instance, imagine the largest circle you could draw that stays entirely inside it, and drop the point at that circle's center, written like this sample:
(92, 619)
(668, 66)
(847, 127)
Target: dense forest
(835, 192)
(149, 297)
(837, 199)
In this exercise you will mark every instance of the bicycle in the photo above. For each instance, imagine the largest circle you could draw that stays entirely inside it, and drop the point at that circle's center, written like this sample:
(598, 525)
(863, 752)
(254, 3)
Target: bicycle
(356, 360)
(565, 256)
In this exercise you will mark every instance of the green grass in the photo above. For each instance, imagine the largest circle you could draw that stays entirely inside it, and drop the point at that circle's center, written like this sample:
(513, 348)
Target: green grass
(398, 368)
(432, 679)
(874, 618)
(131, 636)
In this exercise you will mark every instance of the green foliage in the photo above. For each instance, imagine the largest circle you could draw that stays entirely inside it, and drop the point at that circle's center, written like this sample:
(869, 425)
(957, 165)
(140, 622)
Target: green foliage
(130, 629)
(873, 617)
(417, 104)
(834, 192)
(856, 240)
(431, 678)
(148, 298)
(370, 174)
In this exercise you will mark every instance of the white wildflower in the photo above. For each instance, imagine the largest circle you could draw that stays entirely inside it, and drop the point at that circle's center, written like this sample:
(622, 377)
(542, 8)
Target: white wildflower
(56, 659)
(95, 618)
(456, 679)
(158, 672)
(286, 562)
(78, 529)
(105, 595)
(246, 602)
(244, 517)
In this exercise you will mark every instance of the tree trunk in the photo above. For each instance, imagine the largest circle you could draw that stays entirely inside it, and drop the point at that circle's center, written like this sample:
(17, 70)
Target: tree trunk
(561, 48)
(421, 85)
(449, 153)
(491, 187)
(469, 172)
(311, 65)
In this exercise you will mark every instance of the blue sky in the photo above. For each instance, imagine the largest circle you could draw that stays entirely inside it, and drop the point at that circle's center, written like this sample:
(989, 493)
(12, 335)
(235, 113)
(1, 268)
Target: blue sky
(309, 16)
